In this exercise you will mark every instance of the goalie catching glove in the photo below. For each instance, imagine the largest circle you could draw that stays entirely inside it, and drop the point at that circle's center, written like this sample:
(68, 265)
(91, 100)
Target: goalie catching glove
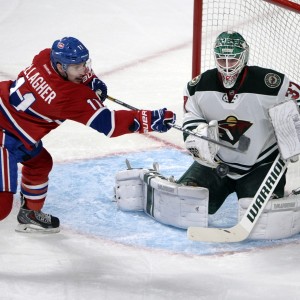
(155, 120)
(203, 151)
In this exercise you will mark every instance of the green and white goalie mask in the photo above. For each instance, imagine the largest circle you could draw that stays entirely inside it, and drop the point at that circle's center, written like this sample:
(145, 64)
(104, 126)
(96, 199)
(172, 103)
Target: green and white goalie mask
(231, 54)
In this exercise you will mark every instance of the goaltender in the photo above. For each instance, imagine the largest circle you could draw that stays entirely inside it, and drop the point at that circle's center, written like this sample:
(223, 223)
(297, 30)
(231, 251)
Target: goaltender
(226, 103)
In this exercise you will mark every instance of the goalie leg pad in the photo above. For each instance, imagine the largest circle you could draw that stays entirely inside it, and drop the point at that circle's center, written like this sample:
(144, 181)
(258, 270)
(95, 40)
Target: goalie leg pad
(280, 218)
(174, 204)
(167, 202)
(129, 189)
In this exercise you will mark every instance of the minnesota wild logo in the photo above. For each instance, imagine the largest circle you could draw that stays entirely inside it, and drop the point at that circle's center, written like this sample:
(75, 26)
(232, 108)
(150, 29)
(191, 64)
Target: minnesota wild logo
(231, 129)
(272, 80)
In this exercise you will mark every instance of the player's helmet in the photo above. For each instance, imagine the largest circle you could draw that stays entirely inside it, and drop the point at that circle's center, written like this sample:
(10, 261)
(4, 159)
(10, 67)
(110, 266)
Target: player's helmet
(67, 51)
(231, 54)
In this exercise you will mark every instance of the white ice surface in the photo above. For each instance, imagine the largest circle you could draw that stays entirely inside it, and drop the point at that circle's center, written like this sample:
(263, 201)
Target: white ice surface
(142, 50)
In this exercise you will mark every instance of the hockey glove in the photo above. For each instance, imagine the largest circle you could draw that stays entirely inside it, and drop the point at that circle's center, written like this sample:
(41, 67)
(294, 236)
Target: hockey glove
(99, 87)
(155, 120)
(203, 151)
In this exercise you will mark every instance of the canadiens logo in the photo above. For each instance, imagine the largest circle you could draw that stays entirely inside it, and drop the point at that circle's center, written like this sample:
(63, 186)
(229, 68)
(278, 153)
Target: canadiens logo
(195, 80)
(231, 129)
(60, 45)
(272, 80)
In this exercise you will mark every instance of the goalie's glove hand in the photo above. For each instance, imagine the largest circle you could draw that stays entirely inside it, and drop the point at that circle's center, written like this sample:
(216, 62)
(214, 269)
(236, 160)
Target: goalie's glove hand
(99, 87)
(153, 120)
(203, 151)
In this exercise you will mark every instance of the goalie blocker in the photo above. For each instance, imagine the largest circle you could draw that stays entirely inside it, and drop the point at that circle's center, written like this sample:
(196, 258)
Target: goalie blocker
(285, 119)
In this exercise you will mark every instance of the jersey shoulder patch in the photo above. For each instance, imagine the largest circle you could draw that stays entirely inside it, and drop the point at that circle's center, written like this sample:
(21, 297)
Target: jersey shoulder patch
(195, 80)
(262, 81)
(207, 81)
(272, 80)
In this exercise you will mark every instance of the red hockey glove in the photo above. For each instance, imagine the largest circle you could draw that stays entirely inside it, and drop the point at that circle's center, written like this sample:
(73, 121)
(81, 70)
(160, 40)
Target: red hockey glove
(155, 120)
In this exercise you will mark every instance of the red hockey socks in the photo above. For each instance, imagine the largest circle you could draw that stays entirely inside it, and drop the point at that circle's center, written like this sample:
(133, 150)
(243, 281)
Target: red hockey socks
(6, 201)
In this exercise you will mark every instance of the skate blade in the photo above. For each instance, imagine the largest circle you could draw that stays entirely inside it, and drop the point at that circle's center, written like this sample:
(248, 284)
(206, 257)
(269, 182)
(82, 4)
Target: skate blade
(30, 228)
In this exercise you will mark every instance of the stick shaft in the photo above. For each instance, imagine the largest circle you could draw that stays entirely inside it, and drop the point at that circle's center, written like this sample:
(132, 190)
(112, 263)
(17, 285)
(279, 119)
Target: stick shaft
(121, 103)
(205, 138)
(180, 128)
(242, 230)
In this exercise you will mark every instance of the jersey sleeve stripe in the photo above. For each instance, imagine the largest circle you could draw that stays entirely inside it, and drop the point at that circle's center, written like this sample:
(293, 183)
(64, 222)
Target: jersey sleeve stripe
(103, 121)
(36, 114)
(17, 127)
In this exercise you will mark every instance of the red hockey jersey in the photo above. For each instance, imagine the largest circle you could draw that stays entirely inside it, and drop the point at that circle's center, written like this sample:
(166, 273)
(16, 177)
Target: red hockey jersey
(40, 100)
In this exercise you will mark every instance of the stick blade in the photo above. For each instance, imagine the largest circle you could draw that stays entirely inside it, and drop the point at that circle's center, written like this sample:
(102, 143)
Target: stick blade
(218, 235)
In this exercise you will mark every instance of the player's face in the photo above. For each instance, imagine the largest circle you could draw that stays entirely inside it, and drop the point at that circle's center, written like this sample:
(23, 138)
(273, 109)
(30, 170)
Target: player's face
(228, 64)
(76, 72)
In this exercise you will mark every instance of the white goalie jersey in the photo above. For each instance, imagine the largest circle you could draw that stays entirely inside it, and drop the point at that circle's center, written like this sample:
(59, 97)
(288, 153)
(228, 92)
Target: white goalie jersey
(243, 111)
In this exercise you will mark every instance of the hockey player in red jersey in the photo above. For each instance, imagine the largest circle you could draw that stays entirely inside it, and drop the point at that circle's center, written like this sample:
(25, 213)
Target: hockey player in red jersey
(59, 85)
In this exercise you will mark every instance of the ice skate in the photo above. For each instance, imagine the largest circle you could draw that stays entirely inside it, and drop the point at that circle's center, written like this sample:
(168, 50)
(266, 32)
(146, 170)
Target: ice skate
(36, 221)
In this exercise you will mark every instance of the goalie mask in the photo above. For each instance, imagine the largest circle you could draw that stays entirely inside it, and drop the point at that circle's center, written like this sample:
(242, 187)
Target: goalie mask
(231, 54)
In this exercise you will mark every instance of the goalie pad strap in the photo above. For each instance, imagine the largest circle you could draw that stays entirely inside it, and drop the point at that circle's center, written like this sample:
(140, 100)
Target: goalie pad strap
(280, 218)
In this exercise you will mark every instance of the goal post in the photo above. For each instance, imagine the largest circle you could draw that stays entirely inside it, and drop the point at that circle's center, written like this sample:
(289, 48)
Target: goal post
(293, 6)
(197, 37)
(270, 27)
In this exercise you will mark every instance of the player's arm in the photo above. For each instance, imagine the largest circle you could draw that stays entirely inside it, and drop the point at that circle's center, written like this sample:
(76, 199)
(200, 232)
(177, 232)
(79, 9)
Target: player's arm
(87, 109)
(116, 123)
(192, 116)
(202, 151)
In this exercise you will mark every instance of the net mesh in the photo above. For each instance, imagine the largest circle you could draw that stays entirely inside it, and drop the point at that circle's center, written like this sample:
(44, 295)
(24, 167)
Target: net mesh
(272, 33)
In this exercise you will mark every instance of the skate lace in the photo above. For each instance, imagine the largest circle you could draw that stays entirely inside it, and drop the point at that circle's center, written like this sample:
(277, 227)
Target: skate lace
(45, 218)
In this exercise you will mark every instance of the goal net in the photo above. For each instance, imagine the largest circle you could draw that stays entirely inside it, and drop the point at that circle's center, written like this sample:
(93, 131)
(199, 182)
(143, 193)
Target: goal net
(271, 30)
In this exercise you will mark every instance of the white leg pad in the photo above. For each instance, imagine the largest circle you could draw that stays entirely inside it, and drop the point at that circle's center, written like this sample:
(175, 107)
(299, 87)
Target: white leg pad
(129, 189)
(167, 202)
(280, 218)
(173, 204)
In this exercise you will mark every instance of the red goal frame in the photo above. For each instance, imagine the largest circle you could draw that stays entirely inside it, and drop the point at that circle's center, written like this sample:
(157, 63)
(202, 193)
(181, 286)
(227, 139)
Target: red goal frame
(197, 26)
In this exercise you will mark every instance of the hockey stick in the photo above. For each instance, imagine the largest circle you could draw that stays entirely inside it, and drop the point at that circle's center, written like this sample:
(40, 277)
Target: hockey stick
(243, 229)
(121, 103)
(243, 143)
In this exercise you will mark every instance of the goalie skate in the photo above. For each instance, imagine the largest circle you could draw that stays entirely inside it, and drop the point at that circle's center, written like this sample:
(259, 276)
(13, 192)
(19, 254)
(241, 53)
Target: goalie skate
(31, 221)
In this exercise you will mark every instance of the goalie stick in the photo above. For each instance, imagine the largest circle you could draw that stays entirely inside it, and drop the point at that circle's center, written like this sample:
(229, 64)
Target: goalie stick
(243, 229)
(243, 143)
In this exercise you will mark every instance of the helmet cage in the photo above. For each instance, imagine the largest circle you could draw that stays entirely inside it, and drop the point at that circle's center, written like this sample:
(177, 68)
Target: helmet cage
(231, 54)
